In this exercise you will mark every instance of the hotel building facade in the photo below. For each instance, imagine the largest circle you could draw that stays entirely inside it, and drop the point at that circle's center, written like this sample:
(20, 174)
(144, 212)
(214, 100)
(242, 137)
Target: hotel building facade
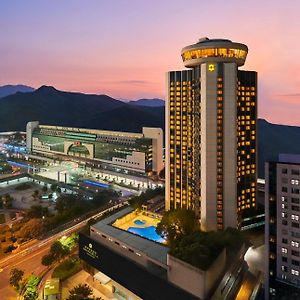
(211, 113)
(282, 228)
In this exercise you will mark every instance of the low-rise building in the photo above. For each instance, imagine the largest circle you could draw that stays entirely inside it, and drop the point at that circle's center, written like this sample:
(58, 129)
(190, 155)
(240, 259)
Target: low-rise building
(132, 153)
(52, 289)
(130, 261)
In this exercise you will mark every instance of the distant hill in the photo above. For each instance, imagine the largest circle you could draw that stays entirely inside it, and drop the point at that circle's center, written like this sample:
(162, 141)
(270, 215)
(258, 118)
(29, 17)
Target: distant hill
(274, 139)
(148, 102)
(128, 118)
(7, 90)
(54, 107)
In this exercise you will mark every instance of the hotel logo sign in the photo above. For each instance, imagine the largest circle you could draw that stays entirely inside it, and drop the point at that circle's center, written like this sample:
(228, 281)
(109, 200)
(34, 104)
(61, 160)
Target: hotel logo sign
(88, 249)
(211, 67)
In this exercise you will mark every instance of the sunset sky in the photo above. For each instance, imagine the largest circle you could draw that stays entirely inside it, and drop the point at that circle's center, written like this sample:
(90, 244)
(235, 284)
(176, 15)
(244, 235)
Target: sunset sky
(124, 47)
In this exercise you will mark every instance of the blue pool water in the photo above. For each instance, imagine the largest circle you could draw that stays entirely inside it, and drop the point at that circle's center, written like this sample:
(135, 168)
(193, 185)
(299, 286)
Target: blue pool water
(147, 232)
(139, 222)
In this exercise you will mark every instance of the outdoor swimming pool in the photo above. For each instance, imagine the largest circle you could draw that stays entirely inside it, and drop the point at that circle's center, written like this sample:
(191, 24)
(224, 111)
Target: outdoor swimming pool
(147, 232)
(139, 222)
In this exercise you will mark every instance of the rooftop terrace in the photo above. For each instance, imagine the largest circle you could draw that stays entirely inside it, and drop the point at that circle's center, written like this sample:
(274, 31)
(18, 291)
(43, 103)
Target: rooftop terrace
(150, 248)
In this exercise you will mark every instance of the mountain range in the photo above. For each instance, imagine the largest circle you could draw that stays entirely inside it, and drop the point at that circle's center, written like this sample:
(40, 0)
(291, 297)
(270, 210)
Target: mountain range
(7, 90)
(148, 102)
(51, 106)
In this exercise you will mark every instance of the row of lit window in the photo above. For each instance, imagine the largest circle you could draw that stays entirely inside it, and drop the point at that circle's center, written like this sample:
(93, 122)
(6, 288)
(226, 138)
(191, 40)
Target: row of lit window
(178, 94)
(247, 106)
(172, 83)
(178, 99)
(246, 93)
(246, 141)
(183, 122)
(247, 198)
(246, 173)
(247, 117)
(219, 155)
(247, 88)
(246, 166)
(183, 117)
(248, 122)
(178, 88)
(214, 52)
(243, 203)
(245, 206)
(242, 163)
(248, 190)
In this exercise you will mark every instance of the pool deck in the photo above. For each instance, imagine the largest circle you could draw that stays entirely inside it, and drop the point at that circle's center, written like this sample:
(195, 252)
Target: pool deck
(150, 248)
(130, 222)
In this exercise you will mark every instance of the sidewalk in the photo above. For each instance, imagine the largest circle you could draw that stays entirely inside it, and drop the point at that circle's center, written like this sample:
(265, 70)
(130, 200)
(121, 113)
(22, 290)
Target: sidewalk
(80, 277)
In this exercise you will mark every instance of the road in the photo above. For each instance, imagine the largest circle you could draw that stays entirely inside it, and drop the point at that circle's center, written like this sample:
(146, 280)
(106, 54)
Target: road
(29, 259)
(246, 288)
(29, 263)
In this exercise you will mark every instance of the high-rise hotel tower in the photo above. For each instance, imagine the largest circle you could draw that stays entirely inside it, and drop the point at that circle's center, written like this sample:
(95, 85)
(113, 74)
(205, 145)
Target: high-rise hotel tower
(211, 113)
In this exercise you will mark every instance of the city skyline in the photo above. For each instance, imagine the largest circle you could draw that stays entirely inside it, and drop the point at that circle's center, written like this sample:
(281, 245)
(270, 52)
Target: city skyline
(123, 49)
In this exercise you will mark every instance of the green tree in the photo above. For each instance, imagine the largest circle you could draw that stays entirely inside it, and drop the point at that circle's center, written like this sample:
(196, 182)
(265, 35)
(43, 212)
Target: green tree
(35, 194)
(31, 290)
(53, 187)
(162, 173)
(7, 201)
(17, 137)
(177, 223)
(37, 211)
(82, 292)
(31, 229)
(66, 202)
(47, 260)
(16, 275)
(104, 196)
(200, 249)
(138, 201)
(58, 250)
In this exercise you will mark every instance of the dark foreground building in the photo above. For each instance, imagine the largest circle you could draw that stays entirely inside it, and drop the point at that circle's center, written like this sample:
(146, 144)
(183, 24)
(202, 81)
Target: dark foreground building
(282, 229)
(130, 266)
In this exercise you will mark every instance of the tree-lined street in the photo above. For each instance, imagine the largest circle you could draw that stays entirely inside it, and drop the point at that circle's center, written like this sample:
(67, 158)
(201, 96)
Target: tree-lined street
(29, 260)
